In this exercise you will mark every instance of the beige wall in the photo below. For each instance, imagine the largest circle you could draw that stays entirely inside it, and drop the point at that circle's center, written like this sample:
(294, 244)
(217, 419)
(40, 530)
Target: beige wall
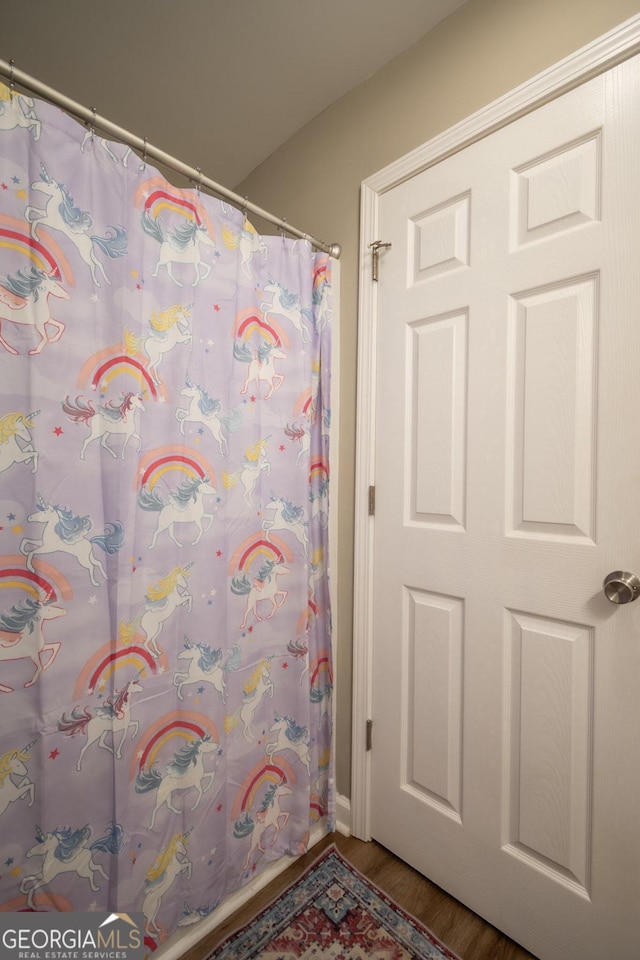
(480, 52)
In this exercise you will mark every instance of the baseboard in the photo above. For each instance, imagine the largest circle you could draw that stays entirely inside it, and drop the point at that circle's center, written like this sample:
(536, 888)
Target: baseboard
(183, 940)
(343, 815)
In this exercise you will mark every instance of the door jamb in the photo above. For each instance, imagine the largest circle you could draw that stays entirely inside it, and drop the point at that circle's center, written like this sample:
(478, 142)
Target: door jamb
(601, 55)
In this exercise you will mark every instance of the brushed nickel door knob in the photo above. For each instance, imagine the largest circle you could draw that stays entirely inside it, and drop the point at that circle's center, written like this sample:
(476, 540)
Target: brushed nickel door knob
(621, 587)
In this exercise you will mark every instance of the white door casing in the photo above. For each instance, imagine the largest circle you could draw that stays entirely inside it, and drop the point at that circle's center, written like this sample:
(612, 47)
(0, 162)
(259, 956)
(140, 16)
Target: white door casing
(512, 304)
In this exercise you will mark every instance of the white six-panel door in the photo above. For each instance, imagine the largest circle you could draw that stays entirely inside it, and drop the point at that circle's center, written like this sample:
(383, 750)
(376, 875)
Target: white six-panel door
(506, 687)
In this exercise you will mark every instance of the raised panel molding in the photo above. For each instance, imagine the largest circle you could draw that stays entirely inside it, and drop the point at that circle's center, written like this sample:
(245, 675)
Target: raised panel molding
(439, 239)
(557, 192)
(549, 731)
(433, 640)
(438, 420)
(552, 443)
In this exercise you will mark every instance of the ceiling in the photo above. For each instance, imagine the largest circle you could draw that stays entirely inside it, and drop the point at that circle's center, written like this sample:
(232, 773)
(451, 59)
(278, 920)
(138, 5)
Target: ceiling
(220, 84)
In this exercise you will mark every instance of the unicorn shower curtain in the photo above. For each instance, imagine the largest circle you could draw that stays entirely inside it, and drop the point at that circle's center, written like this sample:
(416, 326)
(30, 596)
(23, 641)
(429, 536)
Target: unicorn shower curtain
(165, 656)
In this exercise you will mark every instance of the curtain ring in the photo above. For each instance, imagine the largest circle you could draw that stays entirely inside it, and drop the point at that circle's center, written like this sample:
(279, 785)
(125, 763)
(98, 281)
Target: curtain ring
(244, 213)
(143, 165)
(12, 82)
(92, 125)
(199, 182)
(283, 227)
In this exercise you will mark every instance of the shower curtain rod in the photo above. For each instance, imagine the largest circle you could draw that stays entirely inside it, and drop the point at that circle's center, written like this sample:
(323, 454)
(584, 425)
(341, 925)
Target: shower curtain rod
(15, 76)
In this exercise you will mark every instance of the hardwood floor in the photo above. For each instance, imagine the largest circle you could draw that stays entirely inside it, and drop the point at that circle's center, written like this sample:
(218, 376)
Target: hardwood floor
(460, 929)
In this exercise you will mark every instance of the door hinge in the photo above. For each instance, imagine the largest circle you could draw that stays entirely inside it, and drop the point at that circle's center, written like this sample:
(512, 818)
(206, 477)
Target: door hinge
(372, 501)
(376, 247)
(369, 733)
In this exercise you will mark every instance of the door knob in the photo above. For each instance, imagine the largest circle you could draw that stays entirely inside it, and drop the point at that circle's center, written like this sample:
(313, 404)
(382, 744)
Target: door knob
(621, 586)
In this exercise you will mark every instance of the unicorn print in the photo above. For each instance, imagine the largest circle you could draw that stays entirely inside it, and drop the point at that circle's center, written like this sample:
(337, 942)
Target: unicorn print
(301, 435)
(318, 499)
(194, 915)
(168, 328)
(70, 534)
(14, 778)
(204, 665)
(317, 570)
(24, 300)
(105, 145)
(260, 365)
(285, 304)
(299, 650)
(186, 505)
(111, 417)
(287, 517)
(255, 688)
(16, 110)
(181, 245)
(167, 867)
(202, 409)
(22, 636)
(289, 736)
(269, 821)
(161, 601)
(319, 793)
(321, 300)
(248, 242)
(185, 772)
(113, 717)
(65, 851)
(263, 587)
(322, 695)
(255, 461)
(61, 213)
(16, 444)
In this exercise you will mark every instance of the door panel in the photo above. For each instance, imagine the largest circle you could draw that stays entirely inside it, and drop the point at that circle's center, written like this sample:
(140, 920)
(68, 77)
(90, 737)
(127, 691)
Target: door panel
(505, 762)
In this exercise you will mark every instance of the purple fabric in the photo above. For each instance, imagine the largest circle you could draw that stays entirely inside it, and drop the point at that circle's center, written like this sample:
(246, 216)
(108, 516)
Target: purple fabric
(165, 650)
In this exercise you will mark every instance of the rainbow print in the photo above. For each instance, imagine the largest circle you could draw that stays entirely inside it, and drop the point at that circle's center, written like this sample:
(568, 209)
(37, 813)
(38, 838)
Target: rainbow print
(157, 195)
(265, 773)
(102, 666)
(258, 547)
(318, 470)
(321, 273)
(251, 321)
(101, 369)
(15, 235)
(183, 724)
(302, 407)
(317, 807)
(173, 459)
(318, 668)
(307, 617)
(46, 581)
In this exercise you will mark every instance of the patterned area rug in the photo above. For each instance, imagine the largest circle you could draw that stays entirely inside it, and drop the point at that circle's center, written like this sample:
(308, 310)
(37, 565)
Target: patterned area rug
(332, 912)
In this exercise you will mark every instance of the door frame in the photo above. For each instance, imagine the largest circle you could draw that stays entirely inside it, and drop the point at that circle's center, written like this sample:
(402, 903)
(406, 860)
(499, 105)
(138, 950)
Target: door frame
(596, 58)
